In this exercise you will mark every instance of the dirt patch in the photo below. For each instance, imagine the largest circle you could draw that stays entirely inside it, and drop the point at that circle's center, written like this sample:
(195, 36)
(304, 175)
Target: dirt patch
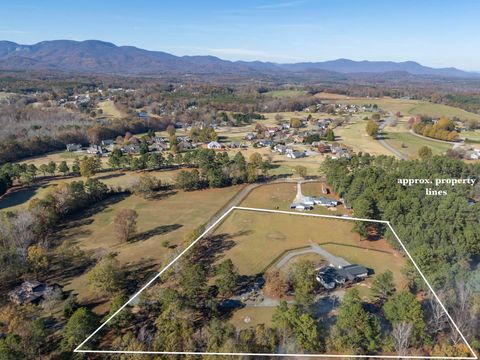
(276, 235)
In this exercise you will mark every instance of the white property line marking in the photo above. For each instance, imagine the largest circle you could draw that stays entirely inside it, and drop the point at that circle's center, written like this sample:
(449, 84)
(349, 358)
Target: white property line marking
(475, 357)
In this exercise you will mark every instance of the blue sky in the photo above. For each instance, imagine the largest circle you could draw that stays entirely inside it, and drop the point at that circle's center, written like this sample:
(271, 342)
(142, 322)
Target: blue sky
(433, 32)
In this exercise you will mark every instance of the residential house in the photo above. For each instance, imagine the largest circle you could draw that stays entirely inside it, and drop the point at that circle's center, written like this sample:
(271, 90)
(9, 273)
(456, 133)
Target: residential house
(107, 142)
(301, 206)
(184, 145)
(296, 154)
(96, 150)
(273, 129)
(130, 149)
(215, 145)
(30, 292)
(74, 147)
(475, 155)
(323, 148)
(281, 149)
(325, 201)
(265, 143)
(329, 277)
(250, 136)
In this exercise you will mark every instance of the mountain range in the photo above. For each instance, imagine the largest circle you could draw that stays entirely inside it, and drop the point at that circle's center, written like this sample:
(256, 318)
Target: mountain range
(94, 56)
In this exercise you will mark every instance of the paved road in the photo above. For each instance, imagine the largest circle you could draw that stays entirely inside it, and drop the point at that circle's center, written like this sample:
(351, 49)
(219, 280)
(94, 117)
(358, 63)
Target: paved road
(315, 249)
(390, 148)
(436, 140)
(332, 259)
(393, 150)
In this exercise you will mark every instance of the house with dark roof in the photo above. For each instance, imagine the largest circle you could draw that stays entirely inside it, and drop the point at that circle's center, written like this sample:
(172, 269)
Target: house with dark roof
(325, 201)
(330, 277)
(30, 292)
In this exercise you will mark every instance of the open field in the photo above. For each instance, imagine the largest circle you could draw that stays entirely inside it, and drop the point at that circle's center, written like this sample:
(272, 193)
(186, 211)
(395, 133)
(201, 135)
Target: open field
(413, 107)
(257, 315)
(56, 156)
(5, 95)
(109, 109)
(17, 198)
(471, 135)
(165, 219)
(285, 93)
(331, 96)
(280, 196)
(355, 136)
(260, 238)
(412, 143)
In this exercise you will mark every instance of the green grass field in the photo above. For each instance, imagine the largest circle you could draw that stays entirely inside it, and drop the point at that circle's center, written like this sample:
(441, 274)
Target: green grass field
(471, 135)
(409, 144)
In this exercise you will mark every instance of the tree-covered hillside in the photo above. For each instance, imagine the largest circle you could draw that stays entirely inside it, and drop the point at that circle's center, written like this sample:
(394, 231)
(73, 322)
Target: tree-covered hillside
(441, 232)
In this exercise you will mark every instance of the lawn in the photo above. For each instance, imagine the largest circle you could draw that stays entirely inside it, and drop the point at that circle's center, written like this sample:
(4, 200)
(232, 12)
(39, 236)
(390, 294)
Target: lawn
(166, 219)
(256, 316)
(355, 136)
(55, 156)
(409, 144)
(258, 239)
(110, 110)
(471, 135)
(280, 196)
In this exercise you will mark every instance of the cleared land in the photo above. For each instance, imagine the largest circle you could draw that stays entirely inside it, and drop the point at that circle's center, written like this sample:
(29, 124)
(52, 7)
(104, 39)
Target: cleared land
(56, 156)
(109, 109)
(257, 316)
(355, 136)
(19, 197)
(168, 218)
(471, 135)
(413, 107)
(409, 144)
(256, 241)
(285, 93)
(280, 197)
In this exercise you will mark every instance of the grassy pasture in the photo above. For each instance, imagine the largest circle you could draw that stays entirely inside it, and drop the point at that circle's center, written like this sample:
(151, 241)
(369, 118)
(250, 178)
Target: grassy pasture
(168, 218)
(109, 109)
(280, 196)
(20, 197)
(355, 136)
(413, 144)
(413, 107)
(56, 156)
(259, 238)
(285, 93)
(471, 135)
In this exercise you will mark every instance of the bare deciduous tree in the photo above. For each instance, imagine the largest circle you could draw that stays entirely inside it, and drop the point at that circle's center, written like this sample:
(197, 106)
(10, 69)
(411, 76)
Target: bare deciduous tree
(437, 320)
(401, 336)
(462, 312)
